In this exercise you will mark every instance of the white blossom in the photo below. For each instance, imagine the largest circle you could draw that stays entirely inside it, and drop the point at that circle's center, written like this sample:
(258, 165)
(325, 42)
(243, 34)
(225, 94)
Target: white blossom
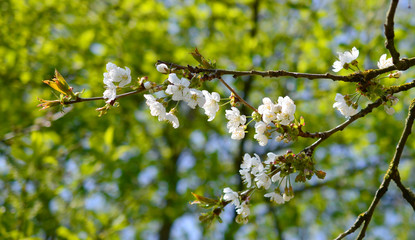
(287, 110)
(271, 157)
(156, 109)
(113, 75)
(235, 118)
(179, 87)
(269, 110)
(257, 166)
(245, 170)
(170, 117)
(211, 105)
(235, 124)
(260, 128)
(232, 196)
(346, 57)
(384, 63)
(110, 93)
(195, 98)
(238, 133)
(263, 180)
(243, 210)
(162, 68)
(275, 197)
(246, 176)
(247, 161)
(116, 74)
(342, 106)
(287, 197)
(276, 177)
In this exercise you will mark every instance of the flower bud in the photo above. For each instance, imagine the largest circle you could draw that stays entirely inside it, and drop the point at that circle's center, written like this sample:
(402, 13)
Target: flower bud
(320, 174)
(147, 85)
(395, 74)
(162, 68)
(256, 116)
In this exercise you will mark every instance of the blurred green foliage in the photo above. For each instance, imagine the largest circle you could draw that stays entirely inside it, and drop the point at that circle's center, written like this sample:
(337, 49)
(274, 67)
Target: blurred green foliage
(127, 176)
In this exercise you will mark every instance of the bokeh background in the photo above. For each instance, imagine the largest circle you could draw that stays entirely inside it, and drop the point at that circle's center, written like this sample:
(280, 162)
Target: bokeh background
(72, 175)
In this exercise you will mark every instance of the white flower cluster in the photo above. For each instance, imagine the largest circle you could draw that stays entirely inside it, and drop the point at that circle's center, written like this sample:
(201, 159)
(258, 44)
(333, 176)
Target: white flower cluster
(114, 75)
(344, 59)
(157, 109)
(276, 196)
(281, 112)
(232, 196)
(384, 63)
(253, 169)
(343, 107)
(236, 124)
(252, 166)
(346, 109)
(180, 91)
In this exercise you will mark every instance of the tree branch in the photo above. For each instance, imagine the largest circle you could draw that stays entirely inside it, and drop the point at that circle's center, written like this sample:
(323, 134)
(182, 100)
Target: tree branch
(390, 174)
(273, 74)
(362, 113)
(390, 32)
(367, 75)
(237, 96)
(406, 192)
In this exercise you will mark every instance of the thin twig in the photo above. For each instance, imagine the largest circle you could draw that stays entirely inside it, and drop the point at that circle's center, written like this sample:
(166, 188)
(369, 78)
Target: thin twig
(39, 124)
(390, 32)
(236, 95)
(390, 174)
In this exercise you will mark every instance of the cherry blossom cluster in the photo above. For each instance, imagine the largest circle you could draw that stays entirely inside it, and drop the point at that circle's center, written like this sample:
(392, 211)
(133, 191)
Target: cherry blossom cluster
(280, 113)
(257, 174)
(114, 75)
(345, 104)
(236, 124)
(269, 116)
(387, 62)
(178, 89)
(158, 110)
